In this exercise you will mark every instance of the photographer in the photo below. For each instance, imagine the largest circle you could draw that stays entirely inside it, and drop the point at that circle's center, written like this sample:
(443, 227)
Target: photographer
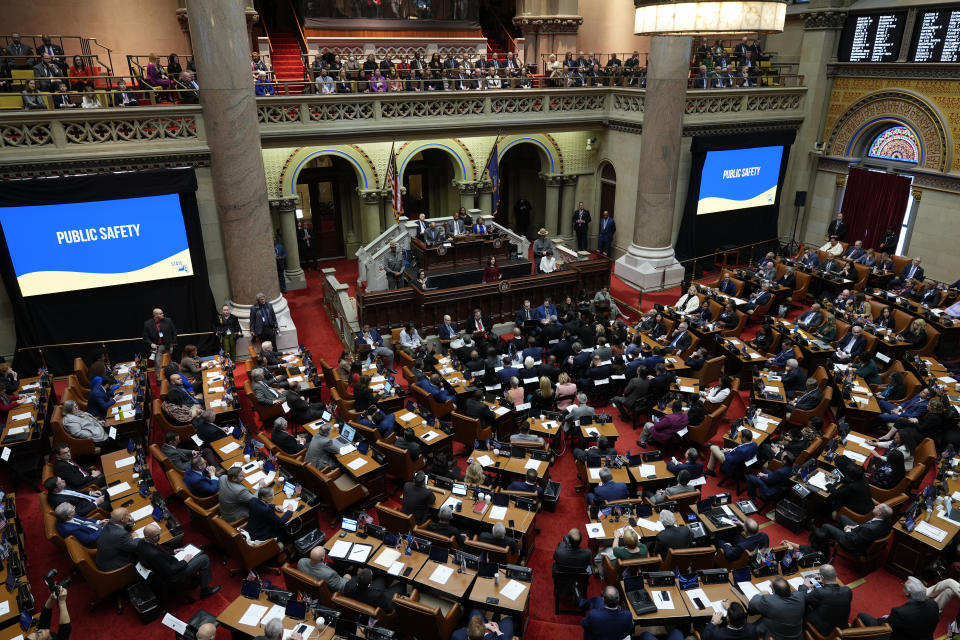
(43, 624)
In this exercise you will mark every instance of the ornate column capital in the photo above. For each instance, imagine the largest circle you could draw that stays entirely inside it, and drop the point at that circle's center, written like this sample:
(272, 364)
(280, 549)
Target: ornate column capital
(370, 196)
(841, 180)
(285, 204)
(467, 188)
(569, 181)
(917, 194)
(552, 180)
(823, 20)
(548, 24)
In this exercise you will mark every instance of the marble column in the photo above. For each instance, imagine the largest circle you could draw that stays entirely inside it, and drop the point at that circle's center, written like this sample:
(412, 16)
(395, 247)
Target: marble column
(287, 210)
(912, 216)
(649, 262)
(485, 198)
(468, 194)
(551, 202)
(838, 196)
(568, 192)
(370, 213)
(220, 47)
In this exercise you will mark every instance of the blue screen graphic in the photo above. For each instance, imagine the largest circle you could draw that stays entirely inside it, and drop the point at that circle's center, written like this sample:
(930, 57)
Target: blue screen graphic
(83, 245)
(739, 179)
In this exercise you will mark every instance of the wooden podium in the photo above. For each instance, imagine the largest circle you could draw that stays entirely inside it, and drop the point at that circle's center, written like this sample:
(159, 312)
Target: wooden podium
(470, 252)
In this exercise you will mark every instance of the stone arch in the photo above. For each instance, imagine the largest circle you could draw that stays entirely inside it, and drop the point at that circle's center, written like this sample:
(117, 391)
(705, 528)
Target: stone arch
(551, 160)
(367, 177)
(878, 110)
(464, 168)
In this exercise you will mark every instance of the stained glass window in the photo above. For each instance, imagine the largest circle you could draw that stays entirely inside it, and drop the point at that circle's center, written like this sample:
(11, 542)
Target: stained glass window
(896, 143)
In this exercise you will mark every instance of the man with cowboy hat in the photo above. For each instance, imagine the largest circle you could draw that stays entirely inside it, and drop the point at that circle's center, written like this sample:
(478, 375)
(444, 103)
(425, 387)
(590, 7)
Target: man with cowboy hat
(540, 247)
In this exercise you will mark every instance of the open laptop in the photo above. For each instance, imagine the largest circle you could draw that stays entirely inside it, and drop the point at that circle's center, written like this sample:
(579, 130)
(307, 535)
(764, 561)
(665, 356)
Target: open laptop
(639, 599)
(347, 434)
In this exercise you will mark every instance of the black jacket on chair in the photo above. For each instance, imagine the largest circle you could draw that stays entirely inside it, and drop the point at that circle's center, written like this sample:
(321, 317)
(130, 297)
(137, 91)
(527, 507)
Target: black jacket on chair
(416, 500)
(914, 620)
(569, 557)
(828, 607)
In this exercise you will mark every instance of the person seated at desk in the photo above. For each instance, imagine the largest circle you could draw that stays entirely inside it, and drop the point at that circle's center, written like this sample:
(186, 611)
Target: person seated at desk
(827, 605)
(374, 592)
(191, 369)
(729, 318)
(170, 571)
(605, 620)
(100, 399)
(912, 271)
(407, 441)
(475, 407)
(569, 554)
(421, 225)
(785, 354)
(672, 536)
(749, 539)
(832, 265)
(678, 341)
(608, 490)
(868, 259)
(456, 227)
(115, 547)
(76, 476)
(409, 339)
(854, 537)
(596, 371)
(732, 459)
(180, 458)
(498, 536)
(434, 235)
(915, 334)
(442, 464)
(664, 429)
(788, 279)
(283, 440)
(832, 246)
(479, 629)
(682, 486)
(886, 472)
(207, 430)
(480, 228)
(781, 611)
(853, 491)
(434, 387)
(368, 337)
(810, 398)
(762, 339)
(201, 479)
(490, 272)
(316, 567)
(736, 627)
(726, 285)
(811, 259)
(850, 345)
(759, 298)
(547, 264)
(81, 425)
(83, 501)
(374, 418)
(854, 252)
(523, 435)
(85, 530)
(914, 408)
(263, 522)
(768, 271)
(703, 314)
(180, 406)
(322, 449)
(689, 464)
(688, 302)
(627, 545)
(528, 484)
(917, 619)
(768, 484)
(442, 525)
(811, 319)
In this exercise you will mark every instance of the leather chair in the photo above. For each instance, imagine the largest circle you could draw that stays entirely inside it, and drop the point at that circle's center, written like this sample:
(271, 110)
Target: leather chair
(696, 558)
(355, 610)
(926, 453)
(702, 433)
(694, 343)
(711, 371)
(734, 388)
(399, 463)
(685, 501)
(394, 519)
(894, 503)
(437, 408)
(182, 492)
(495, 553)
(447, 542)
(74, 383)
(870, 558)
(336, 489)
(933, 336)
(70, 394)
(802, 289)
(912, 477)
(408, 375)
(344, 407)
(266, 412)
(856, 632)
(737, 330)
(78, 446)
(50, 524)
(370, 435)
(570, 584)
(612, 571)
(328, 376)
(103, 583)
(427, 620)
(200, 518)
(161, 459)
(467, 430)
(300, 582)
(800, 416)
(185, 431)
(250, 555)
(80, 370)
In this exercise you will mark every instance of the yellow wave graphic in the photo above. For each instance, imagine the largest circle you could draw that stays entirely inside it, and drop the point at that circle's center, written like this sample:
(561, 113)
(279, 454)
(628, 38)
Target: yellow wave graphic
(713, 205)
(42, 282)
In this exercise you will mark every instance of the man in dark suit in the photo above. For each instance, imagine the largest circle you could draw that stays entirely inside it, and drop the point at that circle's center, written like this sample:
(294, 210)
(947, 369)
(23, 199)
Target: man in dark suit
(569, 554)
(737, 627)
(121, 97)
(286, 442)
(781, 611)
(828, 606)
(480, 323)
(912, 270)
(116, 548)
(726, 285)
(759, 298)
(788, 279)
(608, 227)
(167, 569)
(201, 479)
(434, 235)
(703, 79)
(732, 460)
(917, 619)
(689, 464)
(408, 442)
(750, 539)
(609, 621)
(72, 473)
(793, 379)
(432, 386)
(368, 337)
(263, 321)
(850, 345)
(447, 330)
(857, 537)
(83, 501)
(207, 430)
(596, 371)
(581, 222)
(672, 536)
(443, 526)
(179, 457)
(46, 71)
(854, 251)
(85, 530)
(768, 484)
(159, 337)
(374, 593)
(837, 227)
(474, 407)
(679, 340)
(263, 522)
(417, 498)
(301, 411)
(810, 398)
(498, 536)
(529, 483)
(608, 490)
(549, 369)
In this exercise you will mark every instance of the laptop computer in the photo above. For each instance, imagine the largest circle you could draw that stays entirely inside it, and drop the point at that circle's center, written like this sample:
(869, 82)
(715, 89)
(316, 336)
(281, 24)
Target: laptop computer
(639, 599)
(348, 524)
(347, 433)
(296, 609)
(439, 554)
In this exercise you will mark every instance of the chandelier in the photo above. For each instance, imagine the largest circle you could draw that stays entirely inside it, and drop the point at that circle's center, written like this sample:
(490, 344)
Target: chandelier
(688, 17)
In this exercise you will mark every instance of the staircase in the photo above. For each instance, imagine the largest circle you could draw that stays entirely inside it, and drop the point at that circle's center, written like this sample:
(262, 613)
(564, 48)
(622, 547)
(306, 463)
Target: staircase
(494, 46)
(286, 60)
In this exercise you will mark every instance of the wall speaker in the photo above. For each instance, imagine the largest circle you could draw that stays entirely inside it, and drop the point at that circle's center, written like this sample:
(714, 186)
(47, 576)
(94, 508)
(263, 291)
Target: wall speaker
(800, 199)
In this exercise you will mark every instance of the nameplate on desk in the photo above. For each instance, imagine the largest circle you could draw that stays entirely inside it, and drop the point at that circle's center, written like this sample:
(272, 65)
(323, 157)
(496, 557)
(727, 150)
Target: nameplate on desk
(19, 417)
(522, 407)
(219, 389)
(142, 512)
(529, 380)
(212, 374)
(214, 403)
(118, 488)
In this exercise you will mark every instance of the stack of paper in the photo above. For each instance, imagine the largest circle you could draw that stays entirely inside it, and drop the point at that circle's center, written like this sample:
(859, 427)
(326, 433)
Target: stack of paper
(498, 513)
(340, 549)
(594, 530)
(441, 574)
(485, 460)
(512, 589)
(931, 531)
(748, 589)
(647, 470)
(251, 617)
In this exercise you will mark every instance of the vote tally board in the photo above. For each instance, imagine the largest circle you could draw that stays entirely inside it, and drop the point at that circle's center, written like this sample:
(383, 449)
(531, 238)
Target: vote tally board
(873, 37)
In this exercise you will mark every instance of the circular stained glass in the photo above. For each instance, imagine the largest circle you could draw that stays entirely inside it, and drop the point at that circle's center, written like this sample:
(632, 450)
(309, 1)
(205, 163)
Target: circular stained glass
(896, 143)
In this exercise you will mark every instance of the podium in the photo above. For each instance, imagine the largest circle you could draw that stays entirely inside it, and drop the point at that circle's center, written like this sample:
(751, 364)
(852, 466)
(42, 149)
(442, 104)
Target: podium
(470, 252)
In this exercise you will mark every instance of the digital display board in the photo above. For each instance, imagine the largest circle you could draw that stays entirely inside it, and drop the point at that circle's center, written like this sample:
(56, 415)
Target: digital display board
(739, 179)
(936, 36)
(874, 37)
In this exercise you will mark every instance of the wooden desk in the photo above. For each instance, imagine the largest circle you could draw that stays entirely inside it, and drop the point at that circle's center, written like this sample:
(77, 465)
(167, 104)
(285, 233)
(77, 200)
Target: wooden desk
(862, 409)
(521, 518)
(117, 463)
(466, 251)
(432, 438)
(620, 474)
(643, 531)
(857, 443)
(484, 588)
(140, 504)
(352, 537)
(685, 385)
(714, 593)
(771, 386)
(760, 435)
(714, 529)
(661, 476)
(912, 551)
(414, 562)
(671, 616)
(230, 618)
(591, 433)
(454, 588)
(546, 429)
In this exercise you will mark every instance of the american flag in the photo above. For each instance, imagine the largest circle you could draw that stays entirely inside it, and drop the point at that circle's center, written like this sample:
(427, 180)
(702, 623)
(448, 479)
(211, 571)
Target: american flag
(493, 170)
(393, 179)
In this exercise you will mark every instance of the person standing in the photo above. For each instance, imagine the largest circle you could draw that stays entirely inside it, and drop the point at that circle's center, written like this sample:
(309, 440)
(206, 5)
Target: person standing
(540, 247)
(837, 227)
(308, 258)
(581, 221)
(160, 337)
(263, 321)
(393, 265)
(522, 212)
(228, 330)
(605, 237)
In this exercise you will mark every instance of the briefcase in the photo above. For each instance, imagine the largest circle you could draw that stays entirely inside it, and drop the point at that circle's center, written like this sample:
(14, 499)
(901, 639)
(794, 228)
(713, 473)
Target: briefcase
(144, 601)
(551, 496)
(792, 516)
(308, 541)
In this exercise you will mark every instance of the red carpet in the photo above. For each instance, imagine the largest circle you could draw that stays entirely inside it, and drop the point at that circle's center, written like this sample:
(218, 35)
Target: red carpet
(286, 60)
(876, 595)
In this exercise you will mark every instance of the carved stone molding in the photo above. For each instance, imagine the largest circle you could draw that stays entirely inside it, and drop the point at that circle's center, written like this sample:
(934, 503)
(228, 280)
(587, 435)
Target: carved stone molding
(625, 127)
(899, 70)
(467, 188)
(821, 20)
(739, 128)
(917, 194)
(285, 204)
(60, 168)
(841, 180)
(922, 180)
(552, 180)
(570, 180)
(183, 19)
(371, 196)
(548, 24)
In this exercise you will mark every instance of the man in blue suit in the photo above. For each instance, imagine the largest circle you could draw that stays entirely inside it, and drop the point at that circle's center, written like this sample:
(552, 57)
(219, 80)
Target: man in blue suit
(376, 419)
(605, 235)
(508, 371)
(650, 362)
(786, 353)
(732, 459)
(371, 337)
(479, 629)
(811, 259)
(546, 310)
(580, 360)
(680, 340)
(200, 479)
(768, 484)
(608, 490)
(758, 299)
(264, 523)
(605, 620)
(912, 270)
(690, 464)
(85, 530)
(596, 371)
(915, 407)
(793, 378)
(726, 286)
(851, 344)
(854, 251)
(533, 350)
(527, 484)
(434, 388)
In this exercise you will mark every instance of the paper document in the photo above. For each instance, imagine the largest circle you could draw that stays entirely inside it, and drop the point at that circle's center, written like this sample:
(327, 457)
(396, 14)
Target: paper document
(660, 599)
(698, 593)
(396, 568)
(687, 389)
(450, 502)
(305, 635)
(359, 552)
(441, 574)
(251, 617)
(818, 480)
(765, 587)
(547, 424)
(512, 589)
(748, 589)
(290, 505)
(142, 570)
(408, 416)
(176, 624)
(255, 477)
(523, 406)
(142, 512)
(215, 402)
(594, 530)
(15, 430)
(594, 473)
(652, 525)
(485, 460)
(117, 489)
(125, 462)
(19, 417)
(276, 611)
(501, 411)
(856, 439)
(533, 464)
(696, 482)
(386, 558)
(768, 389)
(498, 513)
(859, 458)
(795, 582)
(429, 435)
(127, 409)
(647, 470)
(931, 531)
(340, 548)
(188, 550)
(227, 448)
(356, 463)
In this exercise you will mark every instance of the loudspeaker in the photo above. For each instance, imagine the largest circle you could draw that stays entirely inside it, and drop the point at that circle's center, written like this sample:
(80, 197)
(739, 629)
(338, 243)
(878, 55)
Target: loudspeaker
(800, 199)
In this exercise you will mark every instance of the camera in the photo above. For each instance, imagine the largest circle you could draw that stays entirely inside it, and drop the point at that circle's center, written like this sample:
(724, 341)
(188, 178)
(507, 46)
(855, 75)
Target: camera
(52, 585)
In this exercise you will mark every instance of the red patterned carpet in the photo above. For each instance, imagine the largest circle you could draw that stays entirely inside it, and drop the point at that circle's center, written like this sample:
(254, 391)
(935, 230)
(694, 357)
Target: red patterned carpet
(876, 594)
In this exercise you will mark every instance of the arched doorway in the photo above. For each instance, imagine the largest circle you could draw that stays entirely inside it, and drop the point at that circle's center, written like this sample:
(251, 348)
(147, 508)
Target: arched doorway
(608, 188)
(519, 178)
(428, 178)
(327, 188)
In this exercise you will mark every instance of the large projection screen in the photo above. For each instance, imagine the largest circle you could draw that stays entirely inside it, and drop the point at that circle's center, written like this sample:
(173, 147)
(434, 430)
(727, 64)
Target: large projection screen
(84, 245)
(739, 179)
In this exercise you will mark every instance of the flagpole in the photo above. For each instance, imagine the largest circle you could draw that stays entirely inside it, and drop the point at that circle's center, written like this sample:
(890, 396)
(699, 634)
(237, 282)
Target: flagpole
(393, 144)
